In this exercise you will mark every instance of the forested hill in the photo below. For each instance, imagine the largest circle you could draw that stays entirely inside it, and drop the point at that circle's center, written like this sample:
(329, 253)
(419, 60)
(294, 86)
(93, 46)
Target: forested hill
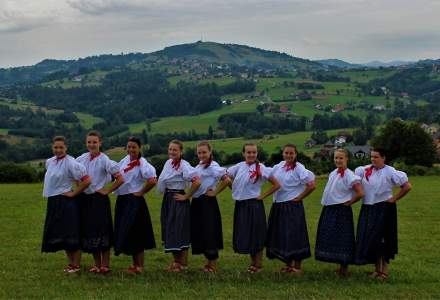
(201, 51)
(235, 54)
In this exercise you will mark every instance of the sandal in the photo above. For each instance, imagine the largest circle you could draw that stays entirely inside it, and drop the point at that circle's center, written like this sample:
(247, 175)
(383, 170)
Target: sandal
(382, 276)
(373, 274)
(104, 270)
(134, 270)
(72, 269)
(174, 267)
(210, 269)
(341, 273)
(254, 269)
(285, 269)
(94, 269)
(294, 270)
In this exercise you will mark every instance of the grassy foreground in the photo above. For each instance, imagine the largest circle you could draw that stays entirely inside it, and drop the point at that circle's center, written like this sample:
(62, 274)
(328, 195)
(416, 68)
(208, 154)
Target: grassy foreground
(26, 273)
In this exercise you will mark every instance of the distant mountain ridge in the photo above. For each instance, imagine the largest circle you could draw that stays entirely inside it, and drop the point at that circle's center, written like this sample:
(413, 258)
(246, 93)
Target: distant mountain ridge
(202, 51)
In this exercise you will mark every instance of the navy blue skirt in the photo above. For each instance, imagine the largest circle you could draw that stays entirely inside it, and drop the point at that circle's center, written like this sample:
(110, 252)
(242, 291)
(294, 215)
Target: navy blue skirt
(249, 232)
(206, 226)
(96, 223)
(61, 227)
(335, 241)
(287, 236)
(133, 228)
(175, 218)
(376, 233)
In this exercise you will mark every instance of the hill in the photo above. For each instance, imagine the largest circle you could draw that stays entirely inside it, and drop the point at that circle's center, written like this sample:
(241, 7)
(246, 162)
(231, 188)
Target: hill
(333, 62)
(203, 51)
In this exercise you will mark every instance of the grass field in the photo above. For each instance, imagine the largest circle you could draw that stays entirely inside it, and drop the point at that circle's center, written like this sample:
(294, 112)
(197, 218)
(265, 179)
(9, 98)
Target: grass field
(26, 273)
(87, 121)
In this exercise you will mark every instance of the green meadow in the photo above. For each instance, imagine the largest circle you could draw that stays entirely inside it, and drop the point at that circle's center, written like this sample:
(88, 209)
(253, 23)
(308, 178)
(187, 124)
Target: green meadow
(27, 273)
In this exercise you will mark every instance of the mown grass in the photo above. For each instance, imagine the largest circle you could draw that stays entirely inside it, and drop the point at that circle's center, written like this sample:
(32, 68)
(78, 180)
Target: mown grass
(87, 120)
(26, 273)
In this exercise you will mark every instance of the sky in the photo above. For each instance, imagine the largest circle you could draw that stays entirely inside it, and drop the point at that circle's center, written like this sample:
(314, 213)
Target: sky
(357, 31)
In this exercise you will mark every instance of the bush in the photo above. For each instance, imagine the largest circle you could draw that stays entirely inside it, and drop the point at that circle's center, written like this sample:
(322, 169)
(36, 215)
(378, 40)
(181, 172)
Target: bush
(14, 173)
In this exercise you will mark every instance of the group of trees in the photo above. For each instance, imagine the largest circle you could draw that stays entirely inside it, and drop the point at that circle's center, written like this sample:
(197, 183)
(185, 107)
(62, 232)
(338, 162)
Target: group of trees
(254, 125)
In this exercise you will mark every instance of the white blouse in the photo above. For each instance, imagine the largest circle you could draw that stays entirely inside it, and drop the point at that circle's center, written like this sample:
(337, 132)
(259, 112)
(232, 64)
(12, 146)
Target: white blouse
(208, 177)
(244, 186)
(339, 189)
(176, 178)
(378, 183)
(100, 168)
(60, 174)
(134, 175)
(293, 181)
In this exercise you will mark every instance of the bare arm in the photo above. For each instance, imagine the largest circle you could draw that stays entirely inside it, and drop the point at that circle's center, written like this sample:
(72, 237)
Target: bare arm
(226, 181)
(273, 189)
(80, 187)
(149, 184)
(117, 183)
(359, 193)
(404, 189)
(195, 184)
(310, 187)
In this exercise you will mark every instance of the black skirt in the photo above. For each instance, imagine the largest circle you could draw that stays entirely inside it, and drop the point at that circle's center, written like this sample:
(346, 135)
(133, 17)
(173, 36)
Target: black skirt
(96, 223)
(249, 232)
(175, 218)
(133, 228)
(287, 236)
(335, 240)
(206, 226)
(376, 233)
(61, 227)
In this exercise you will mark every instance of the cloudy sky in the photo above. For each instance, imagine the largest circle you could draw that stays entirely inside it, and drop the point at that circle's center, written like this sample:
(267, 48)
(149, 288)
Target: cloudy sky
(353, 30)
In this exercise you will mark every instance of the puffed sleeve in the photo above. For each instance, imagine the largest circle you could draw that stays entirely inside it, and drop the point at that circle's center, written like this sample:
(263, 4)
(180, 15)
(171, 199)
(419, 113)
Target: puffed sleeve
(77, 170)
(147, 170)
(233, 170)
(217, 171)
(351, 179)
(398, 178)
(306, 176)
(266, 172)
(112, 167)
(360, 171)
(188, 172)
(46, 165)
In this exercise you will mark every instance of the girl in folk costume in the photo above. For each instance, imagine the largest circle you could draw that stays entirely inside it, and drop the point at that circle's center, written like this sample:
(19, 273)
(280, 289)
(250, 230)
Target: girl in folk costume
(206, 223)
(287, 236)
(96, 216)
(335, 240)
(249, 232)
(377, 227)
(133, 228)
(175, 212)
(61, 227)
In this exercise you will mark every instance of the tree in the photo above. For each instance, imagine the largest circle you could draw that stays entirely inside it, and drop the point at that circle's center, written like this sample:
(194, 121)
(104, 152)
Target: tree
(407, 142)
(360, 137)
(210, 133)
(320, 136)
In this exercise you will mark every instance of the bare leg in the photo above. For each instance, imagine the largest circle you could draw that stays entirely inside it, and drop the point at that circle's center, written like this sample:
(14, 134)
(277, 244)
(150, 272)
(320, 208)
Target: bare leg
(76, 257)
(183, 257)
(97, 257)
(257, 259)
(138, 259)
(105, 258)
(297, 264)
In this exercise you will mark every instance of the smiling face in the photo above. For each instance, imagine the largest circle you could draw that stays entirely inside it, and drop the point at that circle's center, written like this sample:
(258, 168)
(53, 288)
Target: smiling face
(377, 160)
(174, 151)
(250, 153)
(133, 150)
(289, 154)
(340, 159)
(93, 144)
(59, 149)
(203, 153)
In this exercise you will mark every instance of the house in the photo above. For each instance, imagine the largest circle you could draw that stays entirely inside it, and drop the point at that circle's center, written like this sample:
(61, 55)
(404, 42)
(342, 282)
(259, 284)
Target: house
(338, 108)
(310, 143)
(284, 109)
(359, 151)
(379, 107)
(340, 141)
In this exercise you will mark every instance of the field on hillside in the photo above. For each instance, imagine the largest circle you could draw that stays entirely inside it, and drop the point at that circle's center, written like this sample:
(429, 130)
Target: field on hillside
(26, 273)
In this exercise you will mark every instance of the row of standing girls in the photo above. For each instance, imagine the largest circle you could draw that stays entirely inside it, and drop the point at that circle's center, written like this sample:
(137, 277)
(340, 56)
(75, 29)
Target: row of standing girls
(81, 219)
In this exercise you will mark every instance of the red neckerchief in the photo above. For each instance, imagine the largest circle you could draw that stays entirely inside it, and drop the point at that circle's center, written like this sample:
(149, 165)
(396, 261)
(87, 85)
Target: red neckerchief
(60, 158)
(93, 156)
(176, 164)
(289, 166)
(368, 172)
(207, 163)
(255, 174)
(341, 171)
(132, 164)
